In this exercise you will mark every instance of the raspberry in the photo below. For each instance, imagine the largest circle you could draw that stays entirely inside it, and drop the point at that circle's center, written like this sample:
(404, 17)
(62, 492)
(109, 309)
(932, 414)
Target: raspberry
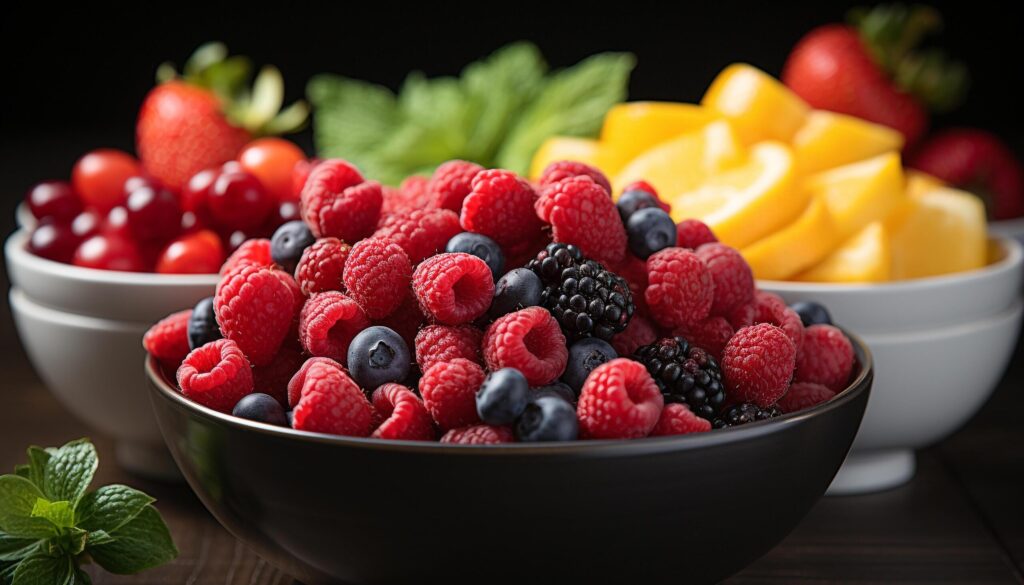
(639, 332)
(409, 196)
(680, 289)
(677, 419)
(321, 266)
(255, 307)
(453, 288)
(693, 233)
(479, 435)
(403, 413)
(803, 395)
(377, 274)
(826, 357)
(734, 281)
(742, 316)
(619, 400)
(406, 320)
(337, 202)
(294, 390)
(581, 213)
(450, 184)
(770, 308)
(331, 402)
(711, 335)
(327, 324)
(421, 233)
(758, 364)
(523, 252)
(167, 340)
(530, 341)
(255, 251)
(500, 206)
(443, 343)
(634, 270)
(274, 377)
(566, 169)
(449, 393)
(216, 375)
(647, 188)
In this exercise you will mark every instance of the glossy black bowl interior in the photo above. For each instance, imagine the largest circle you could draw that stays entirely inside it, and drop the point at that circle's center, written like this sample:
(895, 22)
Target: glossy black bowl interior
(688, 509)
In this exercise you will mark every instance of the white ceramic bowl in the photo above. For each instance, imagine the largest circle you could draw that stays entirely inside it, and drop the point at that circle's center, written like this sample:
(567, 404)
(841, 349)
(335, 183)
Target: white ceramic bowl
(941, 346)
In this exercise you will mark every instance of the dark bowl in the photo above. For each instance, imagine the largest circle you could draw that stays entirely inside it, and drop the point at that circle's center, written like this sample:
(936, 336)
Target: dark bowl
(686, 509)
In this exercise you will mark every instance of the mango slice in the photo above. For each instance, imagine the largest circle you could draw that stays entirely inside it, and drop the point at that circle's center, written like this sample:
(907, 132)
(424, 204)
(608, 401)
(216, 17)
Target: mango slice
(860, 193)
(634, 127)
(760, 106)
(938, 232)
(919, 183)
(866, 257)
(798, 246)
(558, 148)
(828, 140)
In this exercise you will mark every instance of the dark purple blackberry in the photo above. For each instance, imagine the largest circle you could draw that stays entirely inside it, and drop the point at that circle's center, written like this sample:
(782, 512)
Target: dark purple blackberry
(686, 374)
(585, 298)
(742, 414)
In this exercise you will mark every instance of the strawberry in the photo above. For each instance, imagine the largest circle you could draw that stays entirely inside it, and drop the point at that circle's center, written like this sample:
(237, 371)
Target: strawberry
(203, 119)
(979, 162)
(870, 70)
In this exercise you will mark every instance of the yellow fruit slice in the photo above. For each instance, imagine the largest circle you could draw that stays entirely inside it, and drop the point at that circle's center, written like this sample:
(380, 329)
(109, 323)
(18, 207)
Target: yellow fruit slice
(634, 127)
(860, 193)
(760, 106)
(919, 183)
(828, 140)
(866, 257)
(938, 232)
(559, 148)
(748, 202)
(682, 163)
(798, 246)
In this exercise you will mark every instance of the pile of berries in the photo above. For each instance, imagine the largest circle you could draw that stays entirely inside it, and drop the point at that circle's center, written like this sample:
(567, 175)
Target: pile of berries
(476, 307)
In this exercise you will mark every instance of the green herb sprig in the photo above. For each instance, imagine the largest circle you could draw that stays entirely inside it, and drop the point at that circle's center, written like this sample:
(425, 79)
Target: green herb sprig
(50, 526)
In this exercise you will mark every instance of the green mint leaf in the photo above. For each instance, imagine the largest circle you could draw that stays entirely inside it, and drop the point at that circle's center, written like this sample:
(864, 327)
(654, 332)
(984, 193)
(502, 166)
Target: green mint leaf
(111, 507)
(98, 537)
(7, 572)
(141, 544)
(14, 548)
(43, 570)
(37, 460)
(17, 499)
(69, 471)
(82, 577)
(23, 471)
(60, 514)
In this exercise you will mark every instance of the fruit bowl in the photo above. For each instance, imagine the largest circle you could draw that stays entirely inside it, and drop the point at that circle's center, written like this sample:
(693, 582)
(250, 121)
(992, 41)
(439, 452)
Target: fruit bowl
(941, 345)
(693, 508)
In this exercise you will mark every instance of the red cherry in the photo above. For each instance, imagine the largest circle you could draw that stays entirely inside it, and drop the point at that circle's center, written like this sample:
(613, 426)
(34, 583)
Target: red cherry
(53, 241)
(195, 193)
(238, 201)
(116, 223)
(153, 213)
(109, 252)
(272, 161)
(99, 177)
(87, 224)
(197, 253)
(53, 199)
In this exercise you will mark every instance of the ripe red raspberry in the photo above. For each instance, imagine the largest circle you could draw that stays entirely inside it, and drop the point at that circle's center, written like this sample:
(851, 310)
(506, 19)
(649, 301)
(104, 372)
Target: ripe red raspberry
(273, 378)
(421, 233)
(742, 316)
(647, 188)
(565, 169)
(711, 335)
(500, 206)
(803, 395)
(321, 266)
(406, 320)
(331, 402)
(734, 281)
(638, 332)
(255, 307)
(255, 251)
(167, 340)
(479, 435)
(680, 289)
(299, 378)
(216, 375)
(693, 233)
(758, 364)
(581, 213)
(337, 202)
(634, 270)
(453, 288)
(405, 417)
(619, 400)
(770, 308)
(443, 343)
(521, 253)
(377, 274)
(678, 419)
(450, 184)
(449, 393)
(826, 357)
(530, 341)
(410, 195)
(327, 324)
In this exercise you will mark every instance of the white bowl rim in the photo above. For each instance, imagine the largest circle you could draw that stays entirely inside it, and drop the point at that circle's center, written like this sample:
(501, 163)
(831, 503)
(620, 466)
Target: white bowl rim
(946, 331)
(15, 249)
(22, 302)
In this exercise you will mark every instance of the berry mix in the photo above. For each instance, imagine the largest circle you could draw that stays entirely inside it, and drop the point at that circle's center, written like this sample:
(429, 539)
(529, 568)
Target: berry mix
(476, 307)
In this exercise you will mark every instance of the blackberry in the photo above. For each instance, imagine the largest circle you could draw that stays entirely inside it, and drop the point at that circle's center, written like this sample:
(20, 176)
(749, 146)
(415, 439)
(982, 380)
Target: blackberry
(586, 299)
(686, 374)
(742, 414)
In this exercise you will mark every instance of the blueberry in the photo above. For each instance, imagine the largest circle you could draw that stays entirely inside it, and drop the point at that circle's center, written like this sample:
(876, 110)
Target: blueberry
(812, 313)
(518, 289)
(634, 200)
(202, 324)
(261, 408)
(547, 418)
(288, 242)
(556, 389)
(378, 355)
(585, 355)
(480, 246)
(502, 397)
(650, 230)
